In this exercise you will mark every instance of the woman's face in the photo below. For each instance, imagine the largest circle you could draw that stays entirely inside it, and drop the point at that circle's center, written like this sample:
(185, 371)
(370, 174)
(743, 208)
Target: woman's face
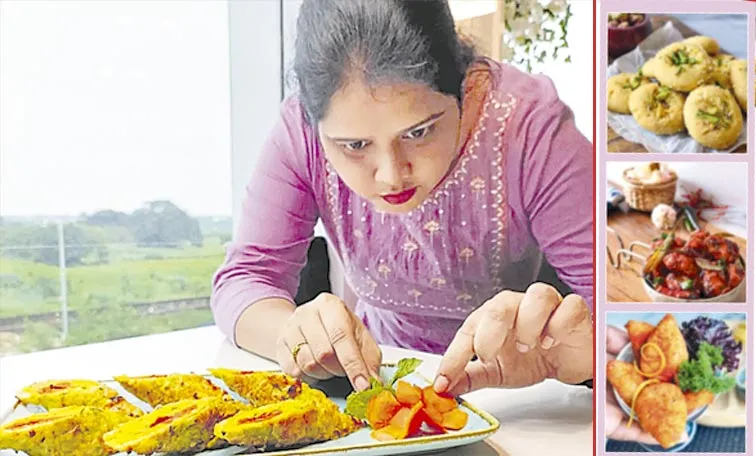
(391, 144)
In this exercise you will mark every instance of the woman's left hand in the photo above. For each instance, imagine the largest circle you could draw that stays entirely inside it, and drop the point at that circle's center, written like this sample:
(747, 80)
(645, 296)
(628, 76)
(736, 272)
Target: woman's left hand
(520, 339)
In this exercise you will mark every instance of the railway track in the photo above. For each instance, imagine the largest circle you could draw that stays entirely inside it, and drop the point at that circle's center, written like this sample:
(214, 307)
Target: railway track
(16, 324)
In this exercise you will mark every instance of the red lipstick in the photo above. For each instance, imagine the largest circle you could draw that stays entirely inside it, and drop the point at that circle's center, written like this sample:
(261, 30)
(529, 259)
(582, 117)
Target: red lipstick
(400, 198)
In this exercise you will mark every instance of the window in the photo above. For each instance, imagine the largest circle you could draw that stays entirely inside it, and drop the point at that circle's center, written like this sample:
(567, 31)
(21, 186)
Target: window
(115, 173)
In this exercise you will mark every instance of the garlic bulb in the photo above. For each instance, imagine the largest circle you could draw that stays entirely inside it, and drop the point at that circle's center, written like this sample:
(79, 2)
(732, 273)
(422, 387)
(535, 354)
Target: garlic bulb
(664, 216)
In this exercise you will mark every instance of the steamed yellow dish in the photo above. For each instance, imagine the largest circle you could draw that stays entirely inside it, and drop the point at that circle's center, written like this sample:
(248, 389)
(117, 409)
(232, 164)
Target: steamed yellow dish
(189, 414)
(309, 418)
(165, 389)
(178, 427)
(53, 394)
(67, 431)
(260, 388)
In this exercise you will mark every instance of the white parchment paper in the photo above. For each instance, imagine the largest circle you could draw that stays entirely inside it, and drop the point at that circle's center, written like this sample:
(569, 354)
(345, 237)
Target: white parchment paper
(628, 128)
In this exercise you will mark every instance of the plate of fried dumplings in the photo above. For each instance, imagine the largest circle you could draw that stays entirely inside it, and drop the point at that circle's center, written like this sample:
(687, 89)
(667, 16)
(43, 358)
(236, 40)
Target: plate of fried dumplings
(675, 94)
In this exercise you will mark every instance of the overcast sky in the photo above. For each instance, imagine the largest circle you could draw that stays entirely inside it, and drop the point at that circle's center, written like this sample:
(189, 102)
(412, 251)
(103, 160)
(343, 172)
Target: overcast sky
(111, 104)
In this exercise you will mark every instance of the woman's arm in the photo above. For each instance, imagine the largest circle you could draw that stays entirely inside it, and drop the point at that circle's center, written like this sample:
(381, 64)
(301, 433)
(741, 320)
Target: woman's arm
(253, 291)
(555, 180)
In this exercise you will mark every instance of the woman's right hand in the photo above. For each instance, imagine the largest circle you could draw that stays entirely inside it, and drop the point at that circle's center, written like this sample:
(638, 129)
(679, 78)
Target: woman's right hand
(332, 342)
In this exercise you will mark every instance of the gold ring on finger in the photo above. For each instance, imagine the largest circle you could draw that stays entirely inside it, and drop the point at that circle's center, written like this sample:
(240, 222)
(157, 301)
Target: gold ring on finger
(296, 349)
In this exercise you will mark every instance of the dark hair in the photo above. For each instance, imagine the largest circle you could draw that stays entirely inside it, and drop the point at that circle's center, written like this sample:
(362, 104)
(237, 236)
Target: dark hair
(387, 41)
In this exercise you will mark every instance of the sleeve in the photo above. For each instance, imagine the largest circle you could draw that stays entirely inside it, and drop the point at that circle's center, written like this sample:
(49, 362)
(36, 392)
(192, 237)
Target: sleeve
(556, 181)
(278, 216)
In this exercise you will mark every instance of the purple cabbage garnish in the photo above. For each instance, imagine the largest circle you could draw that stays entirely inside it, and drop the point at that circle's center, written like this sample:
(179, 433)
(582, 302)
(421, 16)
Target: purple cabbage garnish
(716, 333)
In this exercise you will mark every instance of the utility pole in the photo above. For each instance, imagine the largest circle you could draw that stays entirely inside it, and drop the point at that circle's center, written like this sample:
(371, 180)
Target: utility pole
(63, 279)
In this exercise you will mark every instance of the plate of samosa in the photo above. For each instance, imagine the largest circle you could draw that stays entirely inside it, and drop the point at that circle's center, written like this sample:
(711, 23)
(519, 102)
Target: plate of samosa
(667, 376)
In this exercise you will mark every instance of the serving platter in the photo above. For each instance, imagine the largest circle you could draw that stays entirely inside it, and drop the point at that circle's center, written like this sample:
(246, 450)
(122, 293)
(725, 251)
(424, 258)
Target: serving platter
(480, 425)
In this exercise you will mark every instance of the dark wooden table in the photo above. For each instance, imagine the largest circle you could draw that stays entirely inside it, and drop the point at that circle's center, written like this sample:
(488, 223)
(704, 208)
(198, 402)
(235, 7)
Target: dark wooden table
(616, 143)
(623, 285)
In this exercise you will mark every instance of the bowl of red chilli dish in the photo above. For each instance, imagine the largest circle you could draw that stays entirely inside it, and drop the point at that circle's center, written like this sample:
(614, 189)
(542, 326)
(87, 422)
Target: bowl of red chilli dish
(705, 268)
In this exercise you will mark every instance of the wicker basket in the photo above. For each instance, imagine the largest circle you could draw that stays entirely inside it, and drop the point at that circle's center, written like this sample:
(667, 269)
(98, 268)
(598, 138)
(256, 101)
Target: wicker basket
(645, 197)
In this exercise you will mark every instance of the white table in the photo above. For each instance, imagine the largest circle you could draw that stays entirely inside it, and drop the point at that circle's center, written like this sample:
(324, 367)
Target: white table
(549, 418)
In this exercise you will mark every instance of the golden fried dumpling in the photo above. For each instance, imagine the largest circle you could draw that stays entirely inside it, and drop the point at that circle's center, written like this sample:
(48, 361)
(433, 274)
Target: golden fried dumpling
(638, 333)
(177, 427)
(309, 418)
(260, 388)
(67, 431)
(624, 378)
(165, 389)
(662, 412)
(671, 343)
(699, 399)
(53, 394)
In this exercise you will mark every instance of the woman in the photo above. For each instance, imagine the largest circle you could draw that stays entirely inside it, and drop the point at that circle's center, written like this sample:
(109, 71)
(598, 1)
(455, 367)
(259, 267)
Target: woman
(445, 183)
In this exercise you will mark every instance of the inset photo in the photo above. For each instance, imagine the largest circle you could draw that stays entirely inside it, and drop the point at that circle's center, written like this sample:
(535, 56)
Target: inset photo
(676, 232)
(676, 382)
(677, 83)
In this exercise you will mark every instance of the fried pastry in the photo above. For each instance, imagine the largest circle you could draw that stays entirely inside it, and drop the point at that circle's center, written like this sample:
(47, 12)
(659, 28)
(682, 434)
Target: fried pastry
(662, 412)
(670, 341)
(638, 332)
(699, 399)
(624, 378)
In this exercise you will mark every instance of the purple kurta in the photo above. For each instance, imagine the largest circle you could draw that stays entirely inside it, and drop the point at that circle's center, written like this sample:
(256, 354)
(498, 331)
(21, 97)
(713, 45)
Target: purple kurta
(520, 194)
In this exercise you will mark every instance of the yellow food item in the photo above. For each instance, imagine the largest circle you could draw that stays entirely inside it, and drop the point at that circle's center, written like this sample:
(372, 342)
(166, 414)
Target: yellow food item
(657, 109)
(721, 72)
(662, 412)
(624, 379)
(695, 400)
(67, 431)
(53, 394)
(260, 388)
(165, 389)
(619, 87)
(708, 44)
(178, 427)
(738, 69)
(309, 418)
(638, 332)
(713, 117)
(124, 407)
(668, 337)
(635, 399)
(682, 66)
